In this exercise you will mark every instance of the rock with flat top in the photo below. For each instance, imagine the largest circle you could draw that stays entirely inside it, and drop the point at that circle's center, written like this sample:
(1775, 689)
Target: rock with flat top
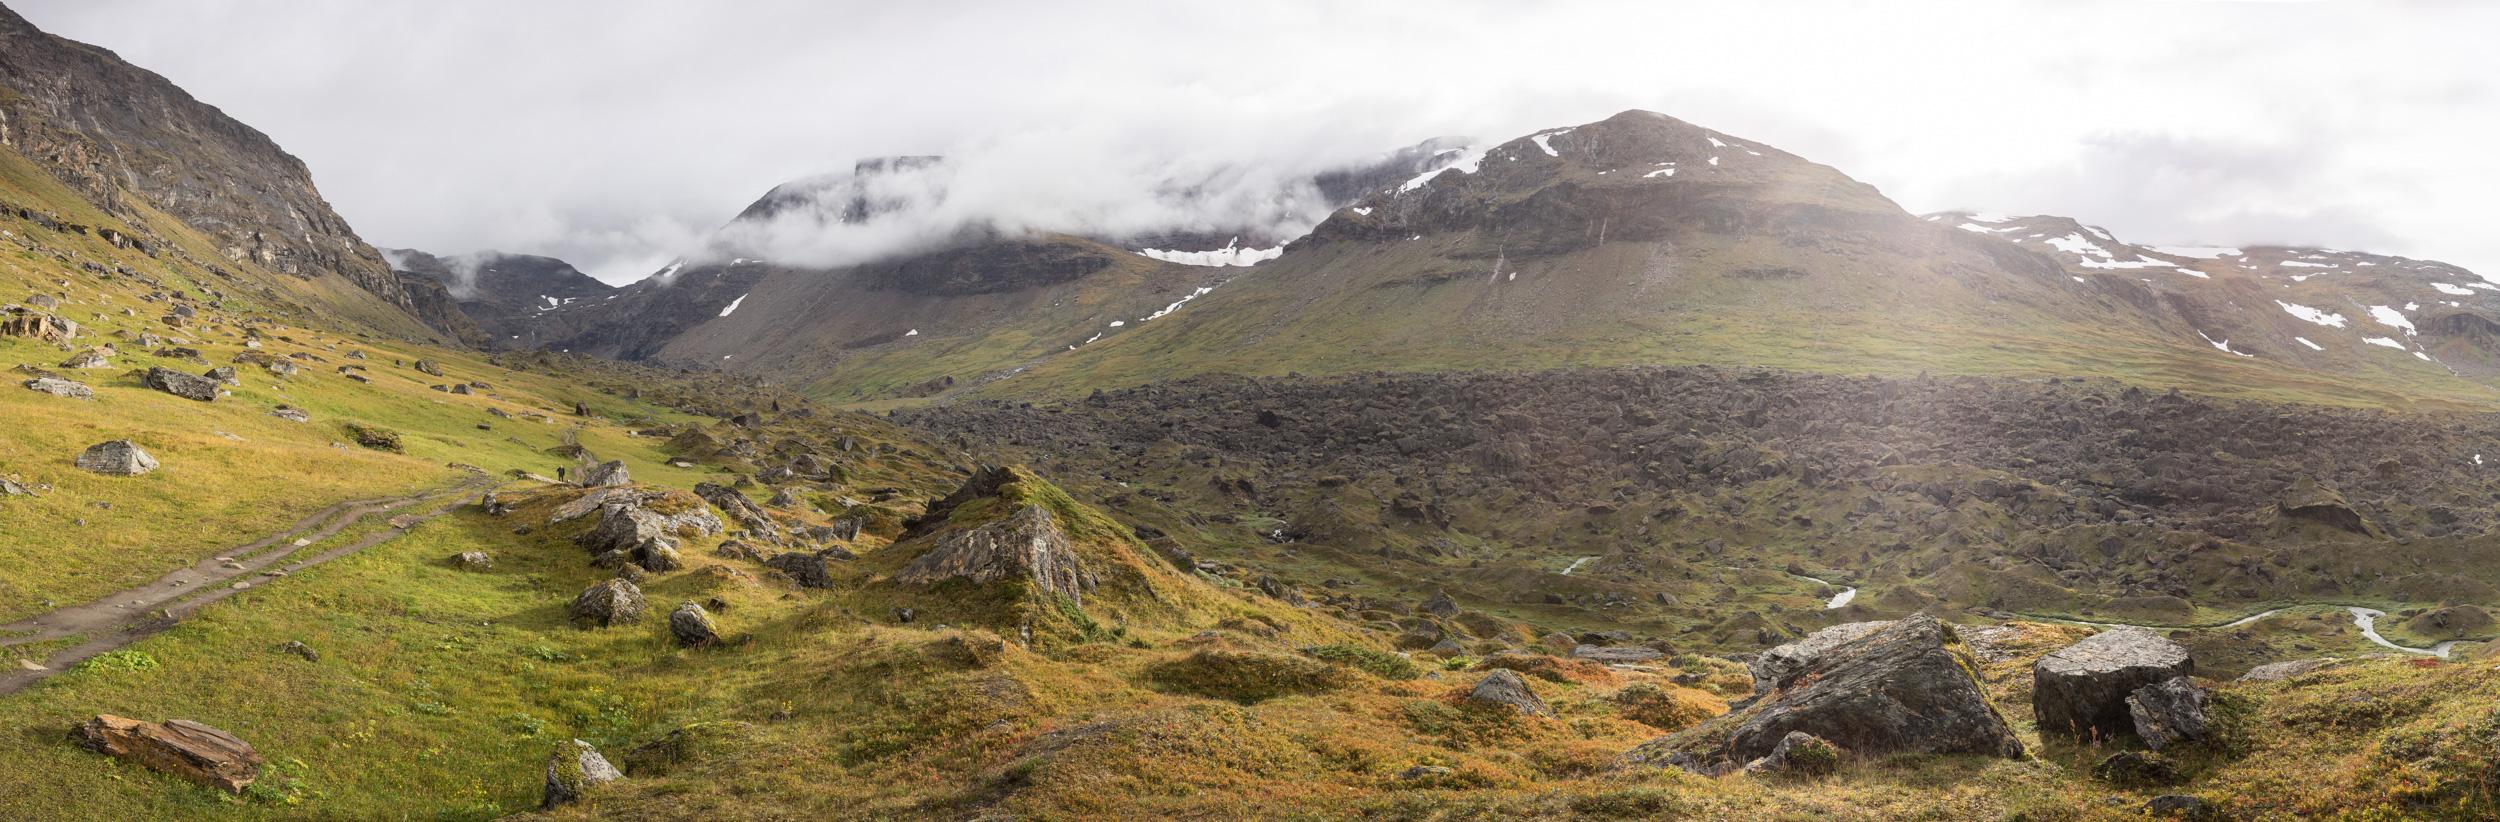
(1771, 667)
(2081, 690)
(180, 747)
(180, 384)
(58, 387)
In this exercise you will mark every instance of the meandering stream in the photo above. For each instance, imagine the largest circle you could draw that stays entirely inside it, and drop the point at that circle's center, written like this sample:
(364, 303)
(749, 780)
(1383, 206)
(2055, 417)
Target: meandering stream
(2364, 618)
(1838, 600)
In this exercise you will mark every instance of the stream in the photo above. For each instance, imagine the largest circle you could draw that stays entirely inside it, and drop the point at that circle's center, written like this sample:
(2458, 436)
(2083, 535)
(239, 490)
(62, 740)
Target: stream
(1838, 600)
(2364, 618)
(1575, 565)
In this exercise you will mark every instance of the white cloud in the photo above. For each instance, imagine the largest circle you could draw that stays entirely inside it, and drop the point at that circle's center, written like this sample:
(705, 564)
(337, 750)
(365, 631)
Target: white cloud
(610, 133)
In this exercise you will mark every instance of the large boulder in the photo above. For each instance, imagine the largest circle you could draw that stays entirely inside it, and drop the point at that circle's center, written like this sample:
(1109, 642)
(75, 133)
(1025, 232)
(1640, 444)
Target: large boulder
(120, 458)
(608, 603)
(1505, 689)
(17, 321)
(809, 570)
(1027, 545)
(575, 768)
(2168, 712)
(180, 384)
(2081, 690)
(180, 747)
(1903, 687)
(2310, 500)
(606, 474)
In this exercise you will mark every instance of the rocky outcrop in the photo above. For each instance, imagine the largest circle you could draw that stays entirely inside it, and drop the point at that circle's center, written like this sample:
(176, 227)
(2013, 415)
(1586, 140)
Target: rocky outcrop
(180, 384)
(20, 321)
(2081, 690)
(130, 141)
(632, 526)
(1899, 688)
(2312, 501)
(180, 747)
(121, 458)
(1503, 688)
(1026, 546)
(2168, 712)
(573, 771)
(609, 603)
(808, 569)
(749, 516)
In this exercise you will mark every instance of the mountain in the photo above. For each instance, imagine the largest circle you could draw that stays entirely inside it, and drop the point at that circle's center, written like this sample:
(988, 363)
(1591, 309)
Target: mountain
(961, 308)
(1642, 239)
(140, 150)
(504, 294)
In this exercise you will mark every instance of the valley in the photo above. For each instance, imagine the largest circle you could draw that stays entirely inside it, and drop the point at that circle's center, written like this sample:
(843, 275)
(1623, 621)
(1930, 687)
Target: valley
(1627, 469)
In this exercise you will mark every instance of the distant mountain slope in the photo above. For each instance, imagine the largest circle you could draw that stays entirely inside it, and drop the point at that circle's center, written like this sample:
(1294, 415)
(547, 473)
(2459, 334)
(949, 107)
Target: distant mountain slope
(1642, 239)
(133, 144)
(504, 294)
(965, 309)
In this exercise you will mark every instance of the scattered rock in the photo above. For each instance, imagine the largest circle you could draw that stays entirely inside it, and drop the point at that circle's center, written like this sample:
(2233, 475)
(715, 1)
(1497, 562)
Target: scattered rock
(808, 569)
(429, 368)
(2168, 712)
(298, 648)
(90, 358)
(1503, 687)
(61, 388)
(2081, 690)
(290, 414)
(223, 374)
(573, 771)
(180, 384)
(608, 603)
(692, 626)
(1616, 655)
(120, 458)
(2182, 806)
(1439, 605)
(473, 561)
(180, 747)
(2310, 500)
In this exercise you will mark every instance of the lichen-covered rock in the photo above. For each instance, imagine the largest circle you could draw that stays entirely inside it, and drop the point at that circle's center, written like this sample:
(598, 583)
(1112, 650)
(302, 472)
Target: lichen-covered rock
(749, 516)
(290, 414)
(2081, 690)
(180, 384)
(2168, 712)
(608, 603)
(121, 458)
(1504, 688)
(1771, 667)
(809, 570)
(60, 388)
(473, 561)
(1899, 688)
(575, 768)
(692, 626)
(180, 747)
(1026, 545)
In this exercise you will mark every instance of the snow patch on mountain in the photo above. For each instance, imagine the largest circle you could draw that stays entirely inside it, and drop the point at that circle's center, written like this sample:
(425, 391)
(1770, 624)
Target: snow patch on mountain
(2325, 318)
(2391, 318)
(1232, 254)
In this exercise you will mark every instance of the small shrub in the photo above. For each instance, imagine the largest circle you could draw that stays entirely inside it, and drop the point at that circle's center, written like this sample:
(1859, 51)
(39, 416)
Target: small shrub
(120, 661)
(1368, 660)
(1666, 709)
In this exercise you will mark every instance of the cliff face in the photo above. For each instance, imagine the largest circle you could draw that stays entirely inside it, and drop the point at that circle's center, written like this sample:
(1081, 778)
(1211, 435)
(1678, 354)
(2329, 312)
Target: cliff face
(125, 137)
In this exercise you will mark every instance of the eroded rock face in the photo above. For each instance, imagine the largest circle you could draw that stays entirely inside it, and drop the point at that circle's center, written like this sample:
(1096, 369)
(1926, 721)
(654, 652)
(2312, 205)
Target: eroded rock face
(20, 322)
(180, 384)
(1503, 687)
(180, 747)
(1899, 688)
(1777, 665)
(2313, 501)
(1027, 545)
(2081, 690)
(608, 603)
(2168, 712)
(573, 770)
(118, 458)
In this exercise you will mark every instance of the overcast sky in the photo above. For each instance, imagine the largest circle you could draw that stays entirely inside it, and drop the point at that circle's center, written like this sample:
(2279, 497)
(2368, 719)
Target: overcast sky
(614, 133)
